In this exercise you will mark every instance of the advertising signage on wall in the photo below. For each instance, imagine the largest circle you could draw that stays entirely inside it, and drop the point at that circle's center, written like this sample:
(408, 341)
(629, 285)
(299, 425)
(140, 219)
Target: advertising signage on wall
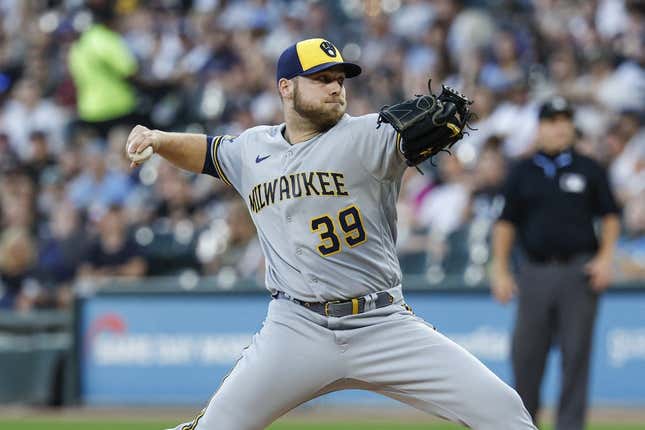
(176, 348)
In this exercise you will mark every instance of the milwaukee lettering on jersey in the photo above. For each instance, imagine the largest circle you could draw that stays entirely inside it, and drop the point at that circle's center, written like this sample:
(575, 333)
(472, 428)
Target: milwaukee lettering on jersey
(295, 185)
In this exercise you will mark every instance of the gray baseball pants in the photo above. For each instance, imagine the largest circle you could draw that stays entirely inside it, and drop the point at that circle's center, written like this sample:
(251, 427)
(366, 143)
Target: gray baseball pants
(556, 306)
(299, 355)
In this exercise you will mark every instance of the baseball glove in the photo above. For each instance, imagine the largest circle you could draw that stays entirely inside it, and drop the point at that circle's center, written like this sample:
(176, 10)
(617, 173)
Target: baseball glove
(428, 124)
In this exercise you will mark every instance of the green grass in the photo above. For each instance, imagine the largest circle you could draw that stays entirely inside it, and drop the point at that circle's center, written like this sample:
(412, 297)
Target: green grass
(35, 424)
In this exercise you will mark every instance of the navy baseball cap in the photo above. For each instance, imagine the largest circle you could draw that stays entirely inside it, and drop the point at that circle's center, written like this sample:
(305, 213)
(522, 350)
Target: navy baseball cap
(310, 56)
(555, 106)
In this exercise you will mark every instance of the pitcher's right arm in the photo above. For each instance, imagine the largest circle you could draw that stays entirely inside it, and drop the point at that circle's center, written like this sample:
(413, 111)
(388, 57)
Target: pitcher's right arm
(184, 150)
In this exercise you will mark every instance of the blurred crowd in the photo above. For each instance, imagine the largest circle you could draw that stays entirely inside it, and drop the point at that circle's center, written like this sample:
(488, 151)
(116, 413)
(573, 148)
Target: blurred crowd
(75, 77)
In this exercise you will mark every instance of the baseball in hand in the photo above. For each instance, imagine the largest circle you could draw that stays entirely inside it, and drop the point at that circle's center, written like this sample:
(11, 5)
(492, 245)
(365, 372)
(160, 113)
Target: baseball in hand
(140, 157)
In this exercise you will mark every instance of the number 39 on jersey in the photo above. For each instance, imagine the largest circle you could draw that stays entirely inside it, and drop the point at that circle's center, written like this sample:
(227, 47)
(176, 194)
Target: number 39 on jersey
(351, 225)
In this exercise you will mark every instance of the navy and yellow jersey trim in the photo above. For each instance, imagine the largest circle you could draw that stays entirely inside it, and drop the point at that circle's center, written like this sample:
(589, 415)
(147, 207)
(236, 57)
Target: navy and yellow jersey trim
(212, 165)
(398, 143)
(193, 424)
(209, 165)
(218, 166)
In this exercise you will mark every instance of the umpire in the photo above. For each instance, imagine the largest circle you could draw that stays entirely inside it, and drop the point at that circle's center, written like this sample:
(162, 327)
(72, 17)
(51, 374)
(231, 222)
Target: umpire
(551, 202)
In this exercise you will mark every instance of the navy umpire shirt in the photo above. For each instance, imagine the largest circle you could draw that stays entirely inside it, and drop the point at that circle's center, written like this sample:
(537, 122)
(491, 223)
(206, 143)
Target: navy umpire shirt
(552, 201)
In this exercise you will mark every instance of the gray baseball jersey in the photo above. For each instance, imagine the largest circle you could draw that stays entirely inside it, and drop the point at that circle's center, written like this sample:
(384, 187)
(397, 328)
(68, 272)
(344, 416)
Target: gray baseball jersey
(325, 214)
(324, 209)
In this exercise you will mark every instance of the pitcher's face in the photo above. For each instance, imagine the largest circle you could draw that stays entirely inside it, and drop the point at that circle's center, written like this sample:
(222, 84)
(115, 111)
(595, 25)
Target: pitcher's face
(321, 97)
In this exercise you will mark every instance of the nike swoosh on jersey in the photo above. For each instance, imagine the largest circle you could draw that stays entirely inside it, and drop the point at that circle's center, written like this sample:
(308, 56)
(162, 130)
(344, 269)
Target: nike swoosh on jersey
(259, 159)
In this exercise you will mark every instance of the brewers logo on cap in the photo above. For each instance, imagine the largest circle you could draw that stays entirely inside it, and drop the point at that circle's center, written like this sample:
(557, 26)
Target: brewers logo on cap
(310, 56)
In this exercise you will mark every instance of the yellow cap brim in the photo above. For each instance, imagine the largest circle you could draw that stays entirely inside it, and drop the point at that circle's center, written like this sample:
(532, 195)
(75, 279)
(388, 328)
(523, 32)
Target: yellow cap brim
(351, 70)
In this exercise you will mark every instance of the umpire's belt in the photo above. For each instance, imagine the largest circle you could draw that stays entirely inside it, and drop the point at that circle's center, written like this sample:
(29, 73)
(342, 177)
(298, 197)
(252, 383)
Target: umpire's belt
(341, 308)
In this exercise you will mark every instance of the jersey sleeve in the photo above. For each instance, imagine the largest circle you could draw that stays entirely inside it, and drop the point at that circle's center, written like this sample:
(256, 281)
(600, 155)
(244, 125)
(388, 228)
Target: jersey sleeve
(604, 201)
(223, 159)
(378, 148)
(512, 211)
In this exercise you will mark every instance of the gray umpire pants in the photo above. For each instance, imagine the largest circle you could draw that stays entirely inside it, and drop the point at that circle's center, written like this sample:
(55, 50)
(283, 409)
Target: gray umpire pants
(299, 355)
(556, 306)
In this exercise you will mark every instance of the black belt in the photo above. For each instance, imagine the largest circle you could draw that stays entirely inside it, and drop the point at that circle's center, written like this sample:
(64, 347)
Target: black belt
(551, 259)
(341, 308)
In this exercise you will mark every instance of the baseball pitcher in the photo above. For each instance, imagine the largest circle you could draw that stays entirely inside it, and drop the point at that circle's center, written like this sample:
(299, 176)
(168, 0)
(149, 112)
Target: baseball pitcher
(322, 189)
